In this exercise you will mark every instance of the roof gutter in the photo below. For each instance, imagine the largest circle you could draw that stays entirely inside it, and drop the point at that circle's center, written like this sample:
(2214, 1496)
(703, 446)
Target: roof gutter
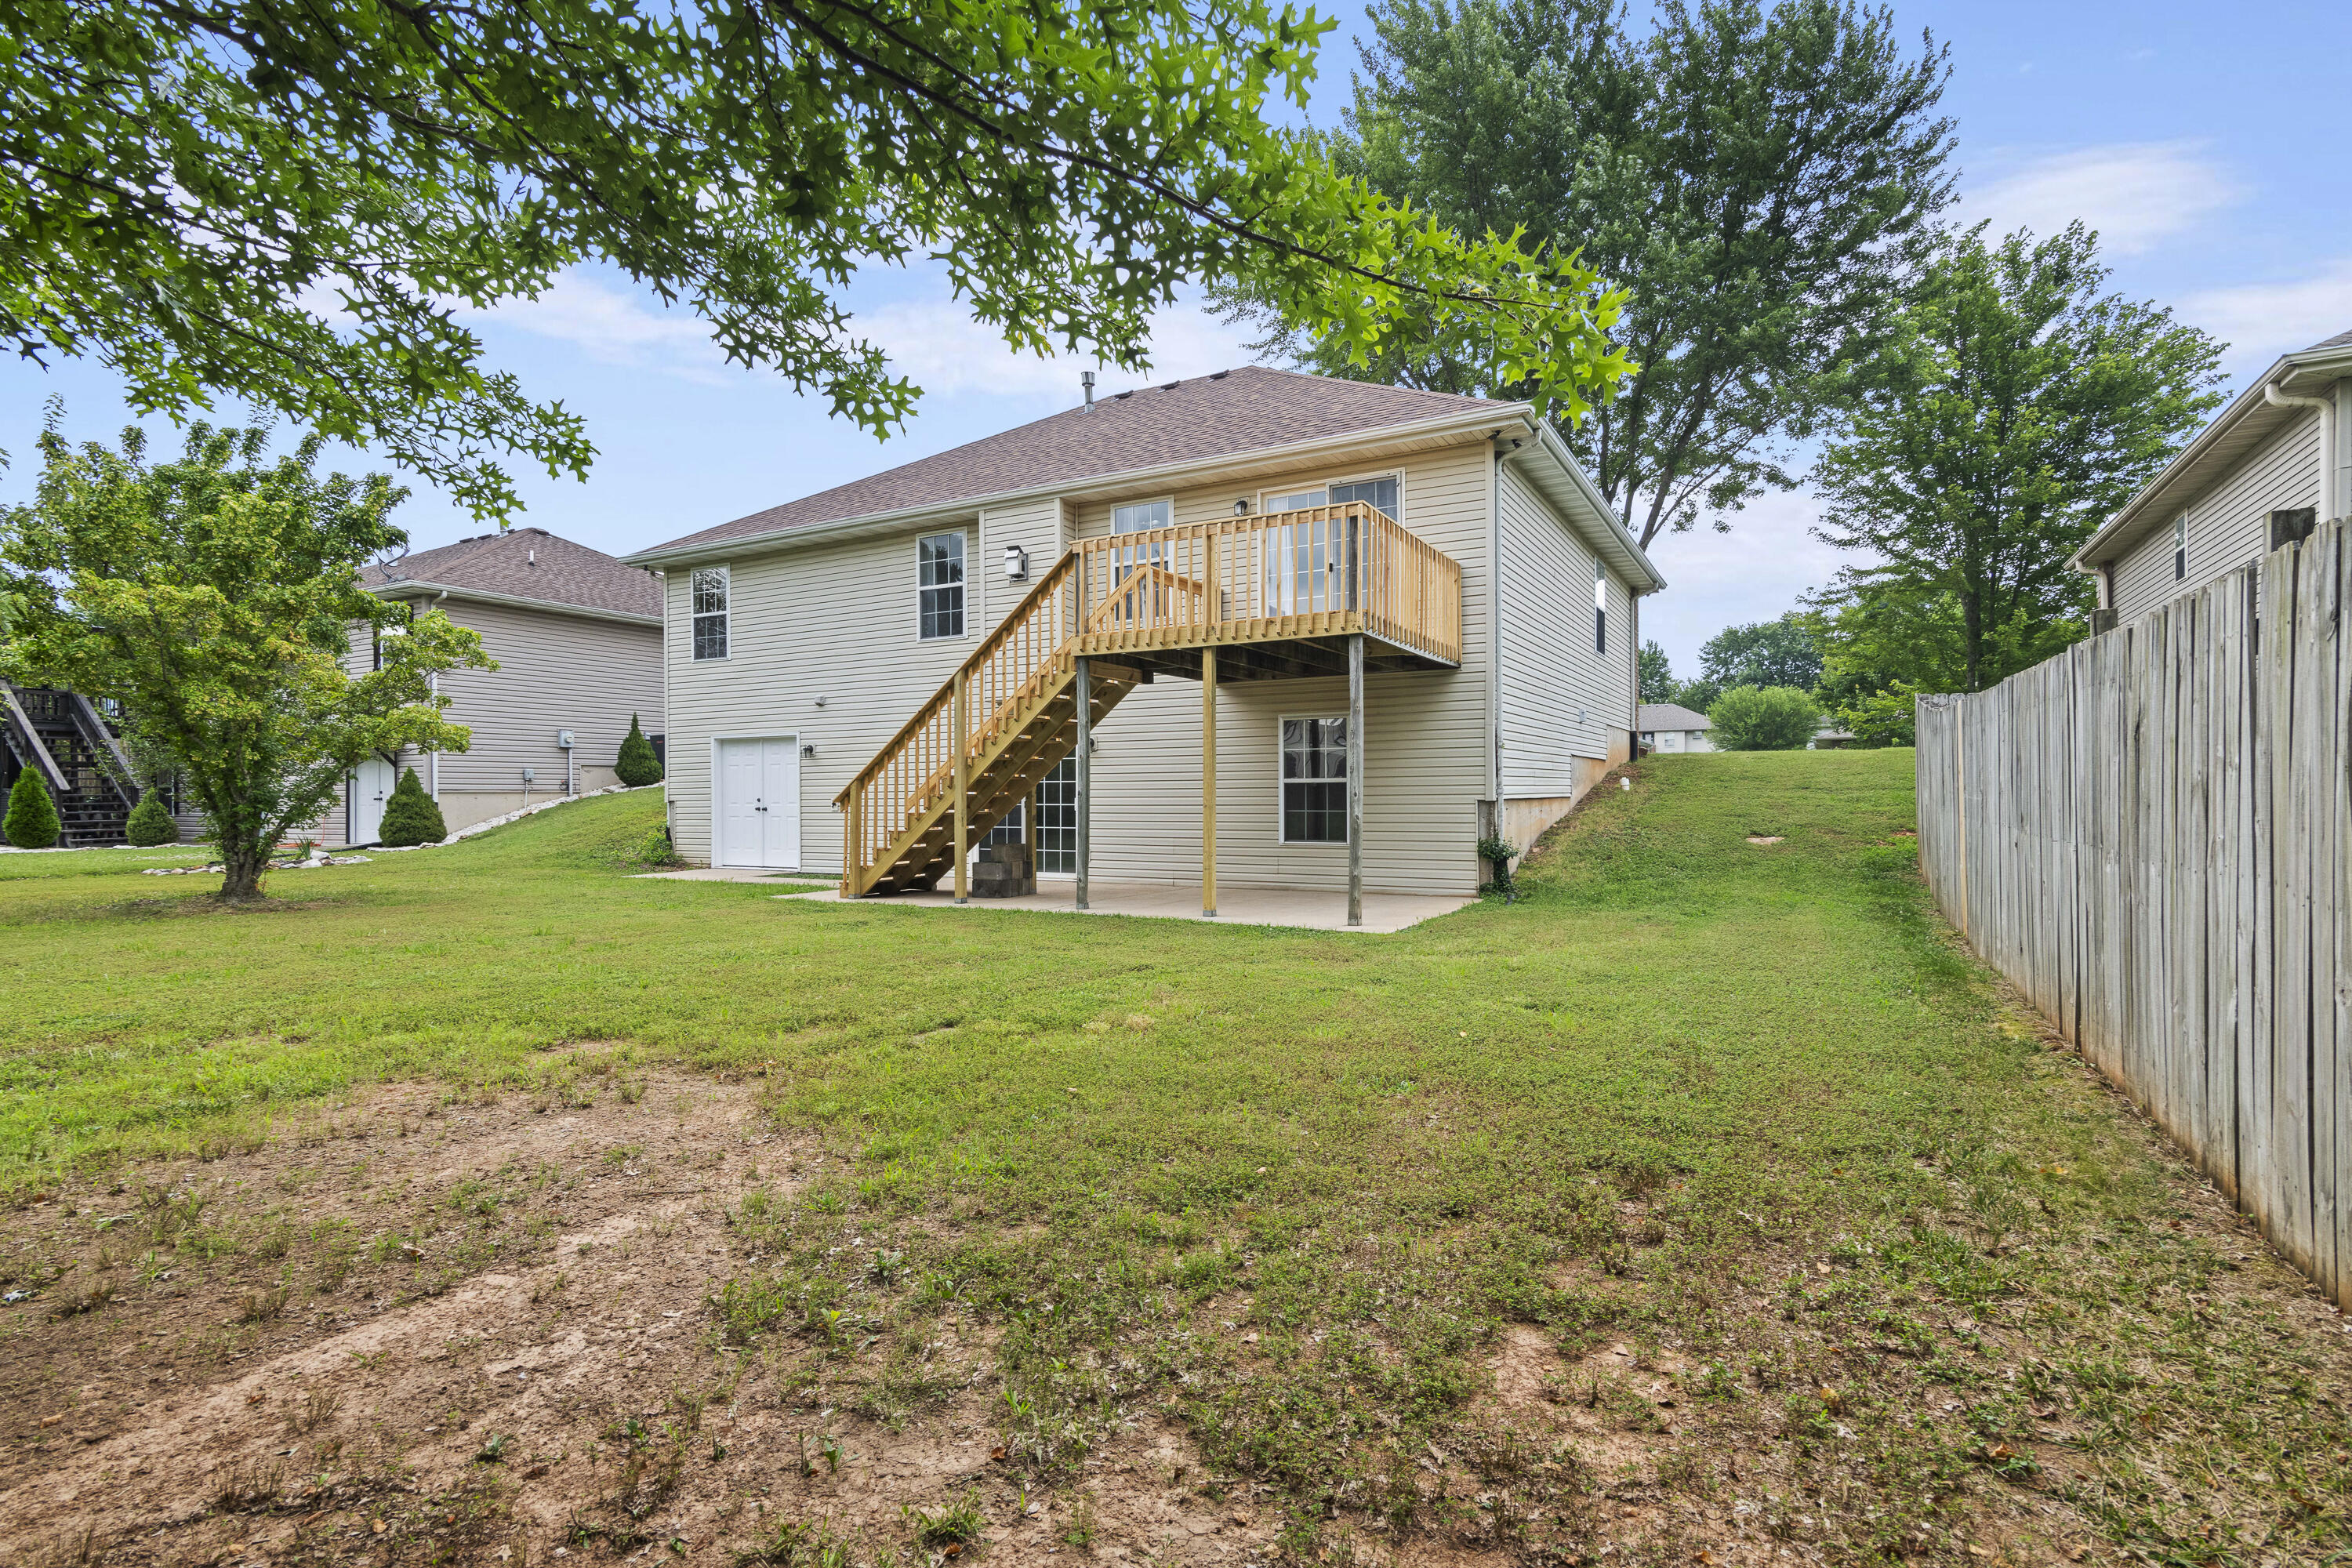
(404, 585)
(1469, 422)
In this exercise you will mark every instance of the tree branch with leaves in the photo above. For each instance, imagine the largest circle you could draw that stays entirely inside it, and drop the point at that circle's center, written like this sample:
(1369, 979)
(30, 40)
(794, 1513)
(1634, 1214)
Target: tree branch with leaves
(295, 204)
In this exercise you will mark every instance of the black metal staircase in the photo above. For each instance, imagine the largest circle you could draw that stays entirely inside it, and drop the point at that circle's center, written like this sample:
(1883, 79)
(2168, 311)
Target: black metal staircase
(62, 736)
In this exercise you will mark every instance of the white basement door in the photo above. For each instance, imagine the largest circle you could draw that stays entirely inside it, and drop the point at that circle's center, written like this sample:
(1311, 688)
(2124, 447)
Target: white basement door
(760, 803)
(372, 783)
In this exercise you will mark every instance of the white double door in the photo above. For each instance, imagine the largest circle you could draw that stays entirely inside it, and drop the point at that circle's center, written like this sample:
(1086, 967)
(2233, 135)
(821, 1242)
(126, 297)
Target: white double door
(760, 803)
(372, 783)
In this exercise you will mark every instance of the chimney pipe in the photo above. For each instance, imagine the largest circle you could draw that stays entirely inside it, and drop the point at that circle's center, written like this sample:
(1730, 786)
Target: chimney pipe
(1087, 380)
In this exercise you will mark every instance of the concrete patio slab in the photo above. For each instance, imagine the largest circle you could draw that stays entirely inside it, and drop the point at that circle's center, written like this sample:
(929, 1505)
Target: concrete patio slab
(726, 874)
(1304, 910)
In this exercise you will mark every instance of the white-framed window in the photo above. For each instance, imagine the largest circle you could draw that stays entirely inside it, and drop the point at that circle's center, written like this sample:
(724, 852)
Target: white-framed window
(397, 628)
(1315, 779)
(1138, 515)
(711, 588)
(939, 577)
(1600, 607)
(1382, 492)
(2181, 547)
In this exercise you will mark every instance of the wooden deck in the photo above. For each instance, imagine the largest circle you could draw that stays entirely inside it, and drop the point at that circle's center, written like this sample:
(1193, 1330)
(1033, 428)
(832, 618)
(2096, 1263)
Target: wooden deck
(1329, 591)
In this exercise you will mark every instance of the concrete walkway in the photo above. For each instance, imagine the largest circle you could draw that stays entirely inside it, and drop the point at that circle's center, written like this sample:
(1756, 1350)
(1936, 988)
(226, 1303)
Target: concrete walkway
(1306, 911)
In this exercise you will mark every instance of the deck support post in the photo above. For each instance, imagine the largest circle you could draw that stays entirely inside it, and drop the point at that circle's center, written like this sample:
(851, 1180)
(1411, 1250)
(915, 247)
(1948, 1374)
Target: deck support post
(1356, 778)
(962, 785)
(1208, 782)
(1086, 769)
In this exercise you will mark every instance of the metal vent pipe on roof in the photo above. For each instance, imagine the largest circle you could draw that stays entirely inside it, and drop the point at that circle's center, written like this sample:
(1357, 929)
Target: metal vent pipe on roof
(1087, 380)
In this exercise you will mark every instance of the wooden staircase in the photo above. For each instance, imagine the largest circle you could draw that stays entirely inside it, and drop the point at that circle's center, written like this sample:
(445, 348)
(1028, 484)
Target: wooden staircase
(1262, 596)
(62, 736)
(1015, 703)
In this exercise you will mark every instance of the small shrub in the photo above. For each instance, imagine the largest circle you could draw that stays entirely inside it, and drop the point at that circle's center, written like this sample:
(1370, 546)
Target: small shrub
(636, 766)
(32, 819)
(1763, 719)
(149, 823)
(410, 817)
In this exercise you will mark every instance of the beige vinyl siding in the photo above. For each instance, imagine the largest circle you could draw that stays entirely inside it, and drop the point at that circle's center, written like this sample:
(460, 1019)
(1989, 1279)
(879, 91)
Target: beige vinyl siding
(1038, 526)
(1561, 697)
(555, 671)
(835, 622)
(1425, 731)
(2228, 523)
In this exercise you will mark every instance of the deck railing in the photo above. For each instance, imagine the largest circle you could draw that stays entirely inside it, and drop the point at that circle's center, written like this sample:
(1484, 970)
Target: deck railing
(1314, 573)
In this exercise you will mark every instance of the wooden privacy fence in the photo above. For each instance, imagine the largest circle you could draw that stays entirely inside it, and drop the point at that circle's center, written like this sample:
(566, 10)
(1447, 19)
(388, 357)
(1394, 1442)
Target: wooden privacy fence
(2149, 835)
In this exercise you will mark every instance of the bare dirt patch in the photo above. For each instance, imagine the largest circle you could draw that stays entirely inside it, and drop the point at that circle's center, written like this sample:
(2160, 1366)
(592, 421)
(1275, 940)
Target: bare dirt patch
(426, 1331)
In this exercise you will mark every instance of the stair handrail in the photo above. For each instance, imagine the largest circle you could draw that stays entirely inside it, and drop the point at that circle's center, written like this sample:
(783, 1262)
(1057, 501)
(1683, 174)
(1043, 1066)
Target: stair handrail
(95, 731)
(1016, 620)
(26, 741)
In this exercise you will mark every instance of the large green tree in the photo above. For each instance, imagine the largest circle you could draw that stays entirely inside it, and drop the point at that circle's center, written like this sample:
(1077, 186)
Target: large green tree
(1779, 652)
(288, 203)
(215, 598)
(1760, 179)
(2015, 408)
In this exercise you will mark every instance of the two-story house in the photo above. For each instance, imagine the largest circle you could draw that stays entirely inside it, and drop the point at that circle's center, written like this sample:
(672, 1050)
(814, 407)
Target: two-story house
(1257, 628)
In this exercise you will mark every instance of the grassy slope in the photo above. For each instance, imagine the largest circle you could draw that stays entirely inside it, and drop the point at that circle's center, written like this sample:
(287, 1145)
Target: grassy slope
(1743, 1103)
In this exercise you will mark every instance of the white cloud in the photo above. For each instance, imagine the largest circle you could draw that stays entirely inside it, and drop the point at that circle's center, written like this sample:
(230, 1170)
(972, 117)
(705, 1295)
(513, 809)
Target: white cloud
(2262, 321)
(1755, 572)
(2136, 194)
(938, 344)
(614, 327)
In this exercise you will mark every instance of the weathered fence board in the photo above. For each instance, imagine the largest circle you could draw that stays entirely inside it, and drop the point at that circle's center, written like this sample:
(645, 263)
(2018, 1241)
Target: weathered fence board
(2151, 835)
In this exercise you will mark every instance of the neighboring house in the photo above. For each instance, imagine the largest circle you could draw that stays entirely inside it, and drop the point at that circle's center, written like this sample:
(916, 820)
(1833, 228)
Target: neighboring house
(2277, 461)
(1671, 727)
(578, 640)
(1222, 555)
(1828, 737)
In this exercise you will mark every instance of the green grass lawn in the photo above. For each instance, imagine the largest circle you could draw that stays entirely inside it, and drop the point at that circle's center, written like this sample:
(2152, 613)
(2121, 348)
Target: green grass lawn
(1747, 1108)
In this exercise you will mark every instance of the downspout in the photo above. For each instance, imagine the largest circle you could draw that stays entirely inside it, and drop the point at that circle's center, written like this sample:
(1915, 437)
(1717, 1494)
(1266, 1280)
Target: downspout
(434, 686)
(1494, 634)
(2327, 407)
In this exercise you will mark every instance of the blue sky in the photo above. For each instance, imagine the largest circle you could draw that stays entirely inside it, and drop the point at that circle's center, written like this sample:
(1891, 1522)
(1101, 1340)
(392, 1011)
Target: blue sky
(2189, 136)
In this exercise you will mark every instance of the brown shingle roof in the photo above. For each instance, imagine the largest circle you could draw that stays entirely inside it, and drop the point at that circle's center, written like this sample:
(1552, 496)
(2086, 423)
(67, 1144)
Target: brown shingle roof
(2341, 339)
(529, 564)
(1245, 410)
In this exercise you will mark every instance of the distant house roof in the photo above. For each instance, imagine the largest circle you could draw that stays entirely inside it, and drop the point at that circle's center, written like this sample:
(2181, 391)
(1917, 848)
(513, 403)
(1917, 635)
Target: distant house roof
(1652, 717)
(2244, 424)
(525, 565)
(1249, 409)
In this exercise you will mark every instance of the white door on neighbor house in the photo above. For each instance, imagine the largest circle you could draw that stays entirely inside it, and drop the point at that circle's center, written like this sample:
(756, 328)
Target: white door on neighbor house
(372, 783)
(760, 803)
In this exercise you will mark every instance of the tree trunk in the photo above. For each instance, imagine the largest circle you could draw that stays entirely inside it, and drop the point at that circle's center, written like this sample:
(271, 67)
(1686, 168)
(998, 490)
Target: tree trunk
(243, 864)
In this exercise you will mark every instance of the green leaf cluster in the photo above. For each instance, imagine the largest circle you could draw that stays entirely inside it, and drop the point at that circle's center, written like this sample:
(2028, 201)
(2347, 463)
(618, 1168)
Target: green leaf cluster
(1762, 180)
(218, 599)
(2014, 408)
(303, 205)
(411, 817)
(31, 822)
(1763, 719)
